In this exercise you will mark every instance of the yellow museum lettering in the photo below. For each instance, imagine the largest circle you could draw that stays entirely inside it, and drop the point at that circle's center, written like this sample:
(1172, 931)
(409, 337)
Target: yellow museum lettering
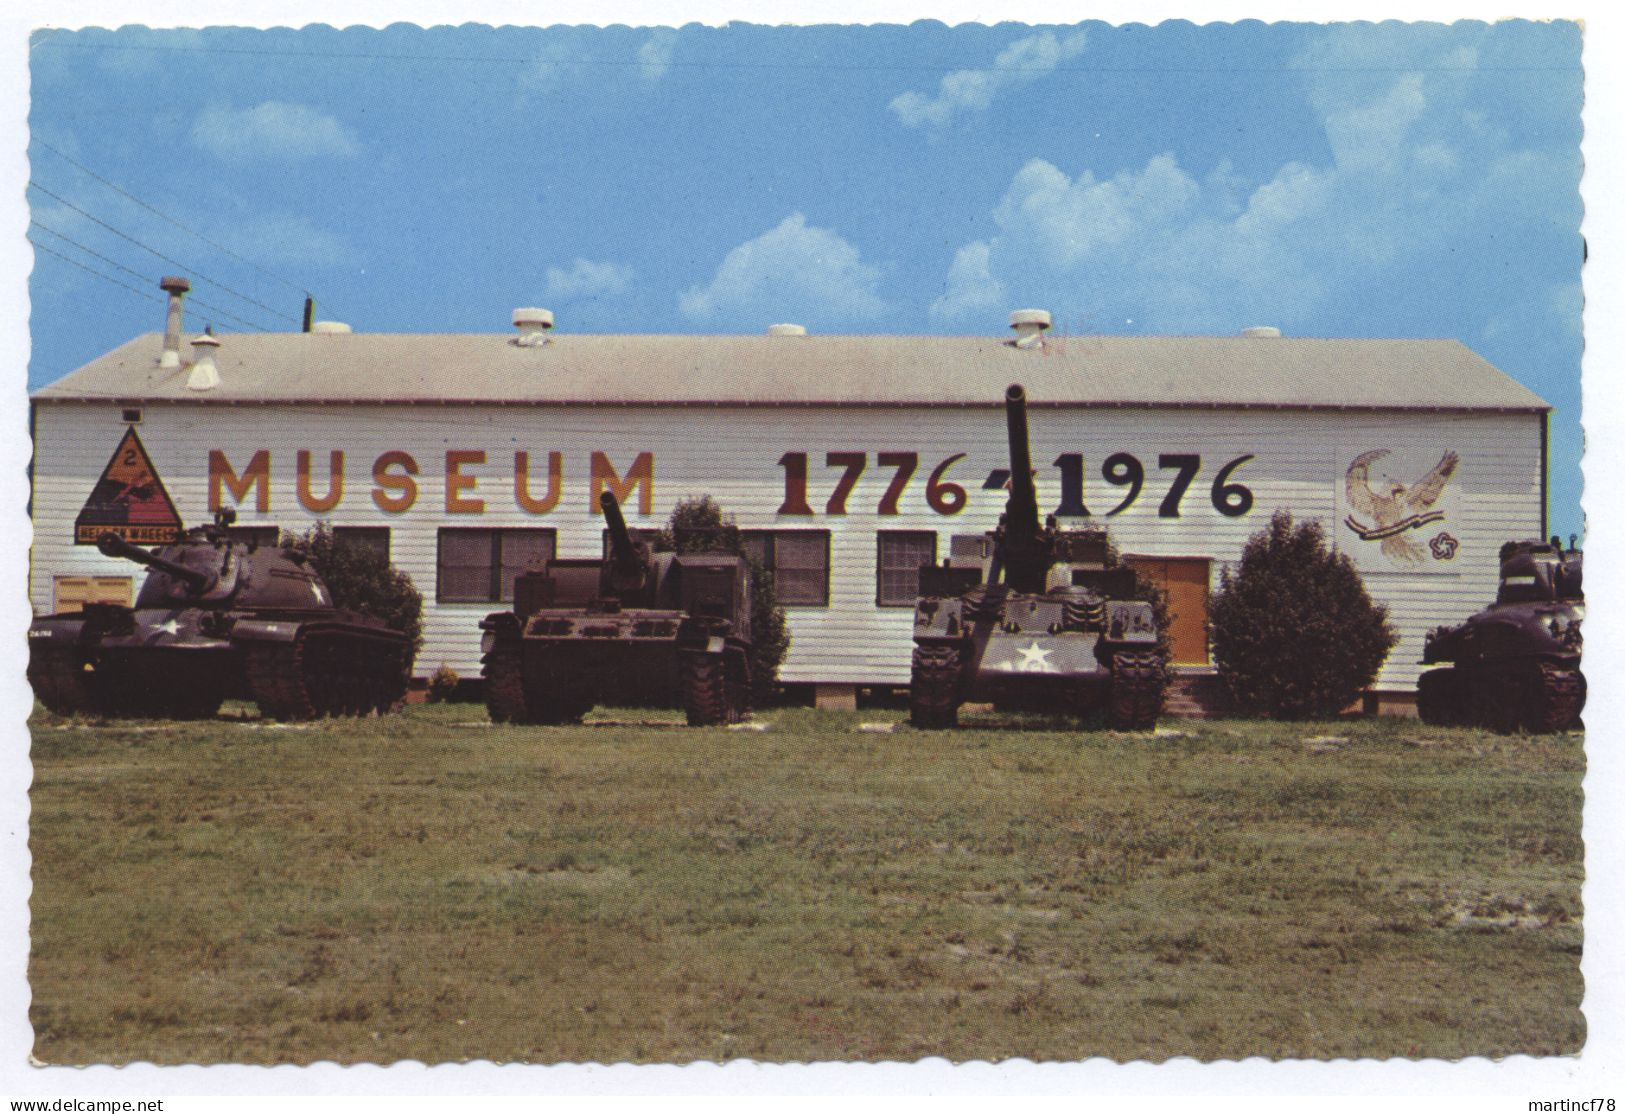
(457, 481)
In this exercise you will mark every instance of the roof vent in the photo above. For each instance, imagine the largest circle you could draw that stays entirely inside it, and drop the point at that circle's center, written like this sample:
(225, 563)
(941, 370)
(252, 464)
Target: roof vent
(1029, 325)
(330, 328)
(205, 375)
(787, 330)
(1257, 332)
(176, 287)
(533, 325)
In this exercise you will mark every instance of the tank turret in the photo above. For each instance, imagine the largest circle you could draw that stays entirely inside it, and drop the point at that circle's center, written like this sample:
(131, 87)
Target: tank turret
(1038, 621)
(1516, 664)
(198, 581)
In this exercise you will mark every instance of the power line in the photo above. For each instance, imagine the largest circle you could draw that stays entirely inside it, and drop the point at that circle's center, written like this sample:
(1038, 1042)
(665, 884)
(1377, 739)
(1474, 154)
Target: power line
(126, 193)
(161, 255)
(137, 274)
(93, 271)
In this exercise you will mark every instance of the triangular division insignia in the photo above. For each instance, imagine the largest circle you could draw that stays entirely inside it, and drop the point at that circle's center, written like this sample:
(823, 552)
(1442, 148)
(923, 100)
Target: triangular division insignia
(129, 500)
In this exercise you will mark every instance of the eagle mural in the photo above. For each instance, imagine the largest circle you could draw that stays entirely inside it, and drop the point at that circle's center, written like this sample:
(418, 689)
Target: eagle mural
(1397, 509)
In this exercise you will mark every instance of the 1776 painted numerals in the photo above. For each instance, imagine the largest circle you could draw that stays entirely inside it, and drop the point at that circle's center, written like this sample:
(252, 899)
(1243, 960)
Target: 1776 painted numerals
(945, 497)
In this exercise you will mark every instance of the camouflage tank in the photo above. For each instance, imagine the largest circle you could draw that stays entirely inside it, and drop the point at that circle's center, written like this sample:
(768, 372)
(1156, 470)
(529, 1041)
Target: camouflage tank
(632, 627)
(217, 618)
(1036, 619)
(1516, 664)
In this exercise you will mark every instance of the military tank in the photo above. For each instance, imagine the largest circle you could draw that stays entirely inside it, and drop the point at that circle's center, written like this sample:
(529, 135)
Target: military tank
(1032, 618)
(217, 618)
(631, 627)
(1516, 664)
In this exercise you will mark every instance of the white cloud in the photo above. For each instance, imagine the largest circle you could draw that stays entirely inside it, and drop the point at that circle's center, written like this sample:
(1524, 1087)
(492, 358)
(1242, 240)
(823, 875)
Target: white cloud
(586, 279)
(972, 289)
(1023, 61)
(272, 131)
(1412, 173)
(792, 272)
(655, 54)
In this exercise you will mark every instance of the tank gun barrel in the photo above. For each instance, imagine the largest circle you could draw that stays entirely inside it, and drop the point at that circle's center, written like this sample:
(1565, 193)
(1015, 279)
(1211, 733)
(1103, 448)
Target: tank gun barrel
(1025, 545)
(622, 547)
(1022, 508)
(628, 565)
(112, 545)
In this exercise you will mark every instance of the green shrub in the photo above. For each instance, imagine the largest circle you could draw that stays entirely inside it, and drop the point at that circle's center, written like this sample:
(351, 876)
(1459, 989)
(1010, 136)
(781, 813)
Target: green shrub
(1294, 633)
(443, 685)
(697, 525)
(363, 581)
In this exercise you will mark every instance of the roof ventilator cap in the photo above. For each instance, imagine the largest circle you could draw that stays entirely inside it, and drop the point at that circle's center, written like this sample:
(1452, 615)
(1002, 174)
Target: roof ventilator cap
(205, 376)
(1258, 332)
(1029, 325)
(330, 328)
(533, 325)
(176, 287)
(787, 330)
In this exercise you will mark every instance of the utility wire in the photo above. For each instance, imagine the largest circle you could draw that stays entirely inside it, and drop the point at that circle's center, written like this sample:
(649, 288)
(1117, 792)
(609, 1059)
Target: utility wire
(98, 274)
(139, 275)
(126, 193)
(161, 255)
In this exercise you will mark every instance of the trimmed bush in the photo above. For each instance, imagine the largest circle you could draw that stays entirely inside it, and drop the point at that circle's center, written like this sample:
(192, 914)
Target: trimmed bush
(698, 525)
(362, 581)
(1294, 633)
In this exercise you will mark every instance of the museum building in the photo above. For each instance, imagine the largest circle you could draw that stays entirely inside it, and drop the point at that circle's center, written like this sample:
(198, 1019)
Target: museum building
(847, 462)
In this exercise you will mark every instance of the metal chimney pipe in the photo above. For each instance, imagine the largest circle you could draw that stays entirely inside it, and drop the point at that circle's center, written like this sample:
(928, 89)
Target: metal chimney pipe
(176, 287)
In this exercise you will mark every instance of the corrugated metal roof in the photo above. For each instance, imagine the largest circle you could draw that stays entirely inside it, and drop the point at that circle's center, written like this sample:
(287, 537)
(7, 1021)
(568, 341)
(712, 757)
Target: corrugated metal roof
(829, 370)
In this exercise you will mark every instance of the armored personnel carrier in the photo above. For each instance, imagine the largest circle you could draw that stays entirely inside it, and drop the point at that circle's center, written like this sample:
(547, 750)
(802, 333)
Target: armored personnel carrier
(217, 617)
(1035, 619)
(632, 627)
(1516, 664)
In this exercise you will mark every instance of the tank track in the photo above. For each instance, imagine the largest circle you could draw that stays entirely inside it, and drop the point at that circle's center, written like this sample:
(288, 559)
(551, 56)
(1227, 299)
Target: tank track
(1562, 699)
(712, 689)
(324, 673)
(1540, 697)
(933, 696)
(1136, 696)
(60, 680)
(504, 684)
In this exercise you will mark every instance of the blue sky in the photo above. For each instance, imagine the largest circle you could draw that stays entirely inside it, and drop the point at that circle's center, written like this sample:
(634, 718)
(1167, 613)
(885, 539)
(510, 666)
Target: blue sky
(1357, 180)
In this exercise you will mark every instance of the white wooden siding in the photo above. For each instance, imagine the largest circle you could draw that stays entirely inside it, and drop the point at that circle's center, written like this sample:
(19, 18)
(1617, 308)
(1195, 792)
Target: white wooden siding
(732, 454)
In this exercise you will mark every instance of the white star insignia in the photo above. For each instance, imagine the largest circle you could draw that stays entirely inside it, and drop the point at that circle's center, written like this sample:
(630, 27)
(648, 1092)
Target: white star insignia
(1035, 659)
(168, 626)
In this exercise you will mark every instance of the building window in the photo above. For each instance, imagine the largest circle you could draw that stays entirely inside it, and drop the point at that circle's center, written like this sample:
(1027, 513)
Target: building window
(798, 560)
(897, 571)
(73, 592)
(479, 566)
(375, 538)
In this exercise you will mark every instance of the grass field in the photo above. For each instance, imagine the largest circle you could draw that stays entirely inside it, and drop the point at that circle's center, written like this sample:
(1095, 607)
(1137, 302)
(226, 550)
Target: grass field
(426, 886)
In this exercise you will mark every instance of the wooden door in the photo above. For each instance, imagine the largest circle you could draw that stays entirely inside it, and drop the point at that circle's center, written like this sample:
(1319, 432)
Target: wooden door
(1185, 579)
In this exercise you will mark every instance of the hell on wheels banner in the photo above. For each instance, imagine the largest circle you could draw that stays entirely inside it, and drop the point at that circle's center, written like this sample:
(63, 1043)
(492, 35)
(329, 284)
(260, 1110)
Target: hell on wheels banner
(129, 500)
(1397, 510)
